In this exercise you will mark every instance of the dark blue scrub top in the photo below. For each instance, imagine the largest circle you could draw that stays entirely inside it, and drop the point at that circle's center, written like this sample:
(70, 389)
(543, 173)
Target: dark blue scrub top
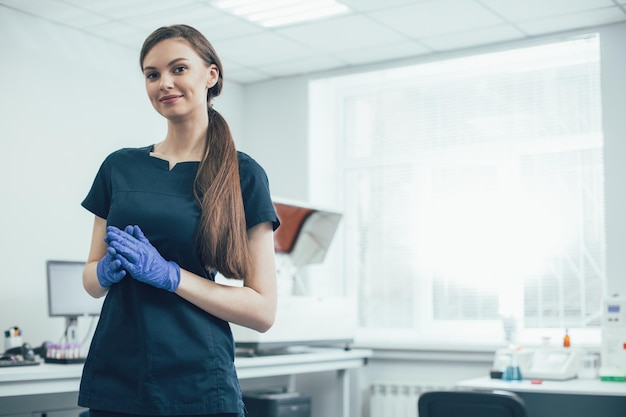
(153, 352)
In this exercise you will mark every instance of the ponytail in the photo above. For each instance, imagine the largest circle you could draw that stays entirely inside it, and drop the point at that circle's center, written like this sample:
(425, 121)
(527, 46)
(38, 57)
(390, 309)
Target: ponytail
(222, 236)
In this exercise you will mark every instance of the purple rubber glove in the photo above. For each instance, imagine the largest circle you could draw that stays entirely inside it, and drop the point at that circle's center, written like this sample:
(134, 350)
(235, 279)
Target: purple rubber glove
(109, 270)
(141, 260)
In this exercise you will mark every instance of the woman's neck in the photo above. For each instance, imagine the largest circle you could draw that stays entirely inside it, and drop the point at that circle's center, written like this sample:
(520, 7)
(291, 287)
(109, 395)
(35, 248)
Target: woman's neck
(184, 142)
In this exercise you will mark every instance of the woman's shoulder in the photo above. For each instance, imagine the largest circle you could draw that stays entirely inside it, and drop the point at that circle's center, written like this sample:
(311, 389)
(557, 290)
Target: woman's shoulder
(248, 165)
(128, 153)
(252, 176)
(256, 194)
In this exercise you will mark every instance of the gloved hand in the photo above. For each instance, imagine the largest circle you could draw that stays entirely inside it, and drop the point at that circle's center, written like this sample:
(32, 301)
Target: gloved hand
(141, 260)
(109, 270)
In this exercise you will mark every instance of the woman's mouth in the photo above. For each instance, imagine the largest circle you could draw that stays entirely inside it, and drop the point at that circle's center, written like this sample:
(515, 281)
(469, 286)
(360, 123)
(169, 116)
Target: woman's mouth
(169, 99)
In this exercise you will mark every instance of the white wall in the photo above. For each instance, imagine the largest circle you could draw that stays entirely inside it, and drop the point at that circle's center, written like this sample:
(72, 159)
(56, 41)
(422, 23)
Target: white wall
(613, 108)
(66, 101)
(276, 133)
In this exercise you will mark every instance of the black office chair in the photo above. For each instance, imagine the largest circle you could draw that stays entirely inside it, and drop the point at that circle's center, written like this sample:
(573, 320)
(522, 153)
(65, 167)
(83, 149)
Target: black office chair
(470, 404)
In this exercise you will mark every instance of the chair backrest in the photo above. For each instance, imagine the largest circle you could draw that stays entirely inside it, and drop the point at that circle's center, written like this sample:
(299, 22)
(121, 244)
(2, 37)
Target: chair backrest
(470, 404)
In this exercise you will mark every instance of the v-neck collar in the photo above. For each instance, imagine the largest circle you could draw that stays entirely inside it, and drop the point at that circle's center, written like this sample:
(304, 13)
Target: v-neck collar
(166, 163)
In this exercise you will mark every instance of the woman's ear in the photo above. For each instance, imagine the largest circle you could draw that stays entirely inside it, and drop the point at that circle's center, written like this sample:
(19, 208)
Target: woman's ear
(214, 74)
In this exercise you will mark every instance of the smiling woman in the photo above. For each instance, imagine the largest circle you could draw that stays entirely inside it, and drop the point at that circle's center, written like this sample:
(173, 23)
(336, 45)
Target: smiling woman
(168, 217)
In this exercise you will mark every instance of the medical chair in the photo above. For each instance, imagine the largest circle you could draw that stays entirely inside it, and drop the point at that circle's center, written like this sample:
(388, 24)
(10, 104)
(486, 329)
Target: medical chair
(470, 404)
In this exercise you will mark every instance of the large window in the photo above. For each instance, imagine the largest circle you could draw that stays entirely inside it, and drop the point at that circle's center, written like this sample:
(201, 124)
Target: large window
(472, 192)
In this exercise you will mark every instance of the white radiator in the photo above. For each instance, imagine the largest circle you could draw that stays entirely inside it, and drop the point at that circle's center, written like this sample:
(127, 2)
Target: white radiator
(391, 399)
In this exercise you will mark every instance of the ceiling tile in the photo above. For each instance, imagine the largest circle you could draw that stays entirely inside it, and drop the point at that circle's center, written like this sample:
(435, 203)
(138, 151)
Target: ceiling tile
(573, 21)
(83, 20)
(260, 49)
(57, 11)
(484, 36)
(437, 17)
(119, 32)
(515, 10)
(303, 66)
(226, 27)
(342, 33)
(190, 14)
(36, 7)
(123, 9)
(131, 39)
(381, 53)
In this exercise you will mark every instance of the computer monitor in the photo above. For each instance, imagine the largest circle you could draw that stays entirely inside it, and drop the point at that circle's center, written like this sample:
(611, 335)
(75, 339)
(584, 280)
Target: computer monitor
(66, 295)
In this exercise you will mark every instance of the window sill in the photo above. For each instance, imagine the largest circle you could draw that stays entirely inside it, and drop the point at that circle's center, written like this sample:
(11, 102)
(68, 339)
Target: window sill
(449, 352)
(413, 351)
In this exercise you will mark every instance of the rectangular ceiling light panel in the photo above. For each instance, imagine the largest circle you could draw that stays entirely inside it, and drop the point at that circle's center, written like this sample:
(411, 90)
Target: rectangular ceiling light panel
(271, 13)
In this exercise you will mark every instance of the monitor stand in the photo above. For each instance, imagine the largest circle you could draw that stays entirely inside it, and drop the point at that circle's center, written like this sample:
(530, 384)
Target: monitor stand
(71, 332)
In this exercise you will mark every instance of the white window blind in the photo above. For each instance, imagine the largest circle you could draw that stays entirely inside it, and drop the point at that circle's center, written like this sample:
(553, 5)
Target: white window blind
(472, 191)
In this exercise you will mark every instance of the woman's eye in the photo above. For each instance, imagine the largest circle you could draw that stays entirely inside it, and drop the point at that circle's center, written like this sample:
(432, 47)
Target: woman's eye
(151, 75)
(179, 69)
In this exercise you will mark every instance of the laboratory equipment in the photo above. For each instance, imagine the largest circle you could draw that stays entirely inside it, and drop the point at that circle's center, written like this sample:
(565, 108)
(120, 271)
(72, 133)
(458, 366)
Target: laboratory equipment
(550, 363)
(590, 366)
(556, 363)
(302, 319)
(512, 372)
(515, 360)
(12, 338)
(613, 356)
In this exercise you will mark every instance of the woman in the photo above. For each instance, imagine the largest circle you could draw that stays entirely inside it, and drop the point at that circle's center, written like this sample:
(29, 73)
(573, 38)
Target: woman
(167, 218)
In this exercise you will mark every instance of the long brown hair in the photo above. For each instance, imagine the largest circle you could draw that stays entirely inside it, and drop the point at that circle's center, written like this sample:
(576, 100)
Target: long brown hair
(222, 237)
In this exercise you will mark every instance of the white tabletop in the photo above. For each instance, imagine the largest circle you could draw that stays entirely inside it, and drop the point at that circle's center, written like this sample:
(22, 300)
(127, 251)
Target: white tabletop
(55, 378)
(301, 361)
(573, 386)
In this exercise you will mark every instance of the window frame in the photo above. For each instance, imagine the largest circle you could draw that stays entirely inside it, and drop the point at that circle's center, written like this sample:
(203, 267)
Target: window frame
(442, 331)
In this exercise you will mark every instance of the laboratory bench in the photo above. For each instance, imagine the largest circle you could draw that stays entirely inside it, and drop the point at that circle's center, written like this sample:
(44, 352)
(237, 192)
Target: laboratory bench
(571, 398)
(51, 390)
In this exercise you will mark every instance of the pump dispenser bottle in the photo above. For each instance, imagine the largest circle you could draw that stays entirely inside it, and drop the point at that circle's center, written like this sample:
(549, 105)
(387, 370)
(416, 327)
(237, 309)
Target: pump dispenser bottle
(566, 341)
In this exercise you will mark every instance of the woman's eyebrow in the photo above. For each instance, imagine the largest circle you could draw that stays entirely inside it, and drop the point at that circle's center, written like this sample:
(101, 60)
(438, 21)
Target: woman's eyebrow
(169, 64)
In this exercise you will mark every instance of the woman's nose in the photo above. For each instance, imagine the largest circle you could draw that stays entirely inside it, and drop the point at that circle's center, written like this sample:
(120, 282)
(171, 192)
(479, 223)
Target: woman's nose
(166, 82)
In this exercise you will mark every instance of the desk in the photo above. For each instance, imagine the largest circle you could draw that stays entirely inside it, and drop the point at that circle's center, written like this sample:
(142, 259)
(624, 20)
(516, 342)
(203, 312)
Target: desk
(573, 398)
(60, 383)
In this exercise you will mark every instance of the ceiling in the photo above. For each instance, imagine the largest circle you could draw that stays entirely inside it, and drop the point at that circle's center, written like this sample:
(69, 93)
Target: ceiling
(373, 31)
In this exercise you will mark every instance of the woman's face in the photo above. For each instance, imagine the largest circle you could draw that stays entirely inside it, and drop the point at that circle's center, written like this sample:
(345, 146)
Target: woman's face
(177, 79)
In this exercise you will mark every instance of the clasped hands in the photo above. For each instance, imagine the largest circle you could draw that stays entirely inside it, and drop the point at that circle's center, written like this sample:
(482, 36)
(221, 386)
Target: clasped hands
(130, 252)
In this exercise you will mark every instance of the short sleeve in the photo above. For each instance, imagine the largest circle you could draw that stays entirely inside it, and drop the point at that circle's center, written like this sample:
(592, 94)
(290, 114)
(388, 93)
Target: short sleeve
(257, 199)
(98, 200)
